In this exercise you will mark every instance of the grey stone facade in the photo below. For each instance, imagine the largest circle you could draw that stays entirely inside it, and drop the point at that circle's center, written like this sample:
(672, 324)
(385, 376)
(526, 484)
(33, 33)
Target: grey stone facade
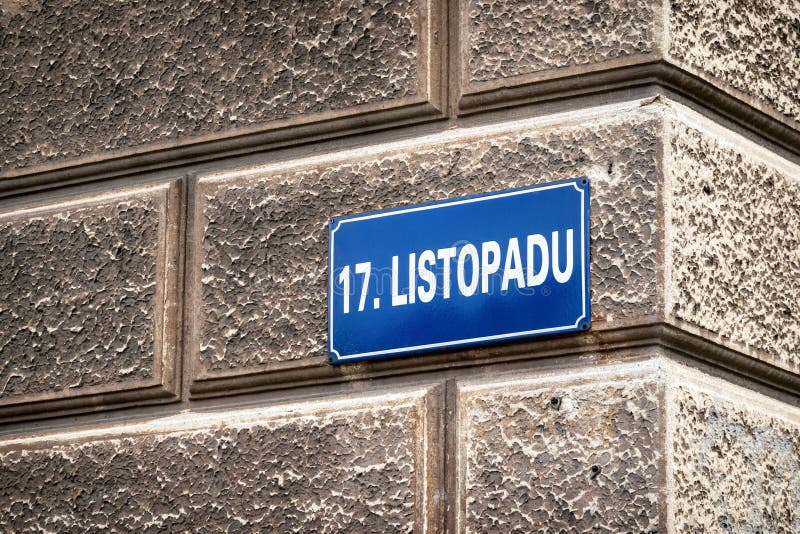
(86, 77)
(514, 38)
(168, 173)
(263, 473)
(562, 455)
(250, 253)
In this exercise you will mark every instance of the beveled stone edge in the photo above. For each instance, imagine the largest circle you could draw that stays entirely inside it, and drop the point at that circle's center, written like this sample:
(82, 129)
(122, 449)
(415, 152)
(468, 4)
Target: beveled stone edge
(471, 89)
(205, 183)
(164, 386)
(612, 76)
(183, 421)
(426, 398)
(648, 367)
(428, 105)
(650, 332)
(430, 456)
(739, 395)
(228, 144)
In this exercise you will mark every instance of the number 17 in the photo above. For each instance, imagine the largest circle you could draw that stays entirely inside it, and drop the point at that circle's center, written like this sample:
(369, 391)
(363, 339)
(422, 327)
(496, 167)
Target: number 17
(344, 278)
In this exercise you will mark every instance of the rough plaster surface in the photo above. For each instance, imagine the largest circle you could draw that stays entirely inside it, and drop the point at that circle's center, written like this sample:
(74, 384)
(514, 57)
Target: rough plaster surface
(751, 45)
(735, 469)
(748, 45)
(734, 245)
(514, 37)
(561, 457)
(77, 296)
(265, 242)
(350, 470)
(92, 76)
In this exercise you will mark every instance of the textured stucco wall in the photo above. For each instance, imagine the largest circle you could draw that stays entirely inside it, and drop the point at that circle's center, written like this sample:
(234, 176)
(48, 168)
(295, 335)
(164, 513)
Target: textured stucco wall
(79, 293)
(730, 253)
(264, 236)
(651, 447)
(734, 459)
(87, 77)
(585, 447)
(748, 48)
(733, 240)
(342, 466)
(751, 46)
(163, 256)
(560, 455)
(515, 37)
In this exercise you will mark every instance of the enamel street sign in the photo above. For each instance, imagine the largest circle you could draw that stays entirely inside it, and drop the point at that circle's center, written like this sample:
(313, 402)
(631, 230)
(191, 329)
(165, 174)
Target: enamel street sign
(467, 271)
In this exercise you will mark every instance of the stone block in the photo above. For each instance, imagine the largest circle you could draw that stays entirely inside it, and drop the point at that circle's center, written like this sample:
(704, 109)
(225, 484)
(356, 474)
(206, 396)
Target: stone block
(652, 446)
(513, 38)
(749, 46)
(732, 262)
(81, 79)
(734, 459)
(88, 299)
(259, 270)
(367, 464)
(692, 224)
(573, 453)
(747, 49)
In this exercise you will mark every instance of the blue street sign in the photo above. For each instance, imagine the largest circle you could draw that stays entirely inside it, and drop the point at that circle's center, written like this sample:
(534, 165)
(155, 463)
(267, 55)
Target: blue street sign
(466, 271)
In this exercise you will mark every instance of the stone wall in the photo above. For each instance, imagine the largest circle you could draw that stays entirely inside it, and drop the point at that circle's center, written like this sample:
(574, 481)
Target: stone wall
(167, 177)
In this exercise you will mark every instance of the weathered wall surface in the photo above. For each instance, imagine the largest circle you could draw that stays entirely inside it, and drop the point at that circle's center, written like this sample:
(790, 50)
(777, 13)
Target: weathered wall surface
(749, 46)
(83, 295)
(50, 304)
(559, 453)
(733, 241)
(264, 236)
(513, 38)
(81, 78)
(748, 49)
(647, 447)
(339, 467)
(734, 459)
(167, 176)
(592, 450)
